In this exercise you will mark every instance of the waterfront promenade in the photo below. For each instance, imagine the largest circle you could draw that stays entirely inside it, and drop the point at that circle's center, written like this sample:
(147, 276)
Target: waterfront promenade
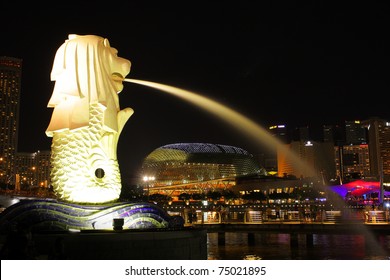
(281, 214)
(305, 219)
(302, 229)
(301, 223)
(297, 227)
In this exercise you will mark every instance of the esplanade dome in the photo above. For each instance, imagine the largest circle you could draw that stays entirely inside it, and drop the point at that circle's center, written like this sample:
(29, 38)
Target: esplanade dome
(183, 163)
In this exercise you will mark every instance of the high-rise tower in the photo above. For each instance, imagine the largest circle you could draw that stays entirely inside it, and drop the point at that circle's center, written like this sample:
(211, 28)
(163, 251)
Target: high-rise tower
(10, 86)
(379, 147)
(355, 133)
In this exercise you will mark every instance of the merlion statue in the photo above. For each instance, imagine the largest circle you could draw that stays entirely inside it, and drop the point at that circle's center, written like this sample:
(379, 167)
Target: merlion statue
(86, 120)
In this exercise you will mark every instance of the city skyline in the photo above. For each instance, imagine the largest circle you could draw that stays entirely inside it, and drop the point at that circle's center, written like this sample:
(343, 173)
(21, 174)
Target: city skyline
(304, 65)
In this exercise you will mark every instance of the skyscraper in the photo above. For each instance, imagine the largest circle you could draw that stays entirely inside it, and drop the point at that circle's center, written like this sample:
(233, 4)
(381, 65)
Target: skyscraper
(352, 162)
(270, 161)
(355, 133)
(328, 133)
(10, 86)
(379, 147)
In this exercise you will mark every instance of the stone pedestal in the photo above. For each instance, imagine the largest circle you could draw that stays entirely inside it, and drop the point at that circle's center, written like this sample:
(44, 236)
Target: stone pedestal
(182, 244)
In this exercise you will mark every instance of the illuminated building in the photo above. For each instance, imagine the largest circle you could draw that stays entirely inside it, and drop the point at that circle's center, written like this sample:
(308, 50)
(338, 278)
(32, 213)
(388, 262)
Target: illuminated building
(15, 167)
(302, 133)
(379, 147)
(355, 133)
(328, 133)
(280, 131)
(33, 169)
(10, 85)
(270, 158)
(197, 166)
(352, 161)
(315, 154)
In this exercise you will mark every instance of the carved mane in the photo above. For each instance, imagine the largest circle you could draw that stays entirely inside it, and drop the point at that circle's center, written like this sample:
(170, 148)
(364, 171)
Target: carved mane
(83, 71)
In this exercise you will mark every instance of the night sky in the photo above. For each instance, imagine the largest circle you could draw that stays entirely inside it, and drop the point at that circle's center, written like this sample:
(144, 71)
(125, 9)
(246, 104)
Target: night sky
(274, 63)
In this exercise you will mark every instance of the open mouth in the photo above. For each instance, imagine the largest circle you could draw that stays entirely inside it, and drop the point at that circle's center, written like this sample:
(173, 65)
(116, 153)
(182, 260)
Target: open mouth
(117, 77)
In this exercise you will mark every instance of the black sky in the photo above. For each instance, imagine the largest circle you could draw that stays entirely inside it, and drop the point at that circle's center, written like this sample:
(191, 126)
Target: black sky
(298, 64)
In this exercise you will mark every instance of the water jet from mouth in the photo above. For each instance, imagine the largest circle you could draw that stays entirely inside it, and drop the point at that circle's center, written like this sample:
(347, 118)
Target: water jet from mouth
(237, 120)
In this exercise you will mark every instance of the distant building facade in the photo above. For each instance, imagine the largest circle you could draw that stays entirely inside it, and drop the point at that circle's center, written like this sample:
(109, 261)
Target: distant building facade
(352, 162)
(10, 87)
(17, 168)
(33, 169)
(379, 147)
(318, 159)
(355, 133)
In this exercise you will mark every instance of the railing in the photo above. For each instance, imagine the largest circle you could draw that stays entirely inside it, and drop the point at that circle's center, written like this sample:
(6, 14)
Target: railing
(271, 215)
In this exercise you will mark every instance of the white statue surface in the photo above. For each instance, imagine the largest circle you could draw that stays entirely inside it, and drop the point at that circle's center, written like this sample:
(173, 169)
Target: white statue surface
(87, 120)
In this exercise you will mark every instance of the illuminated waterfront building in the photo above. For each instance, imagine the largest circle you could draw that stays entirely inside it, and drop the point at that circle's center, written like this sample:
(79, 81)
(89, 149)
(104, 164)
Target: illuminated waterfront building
(318, 156)
(379, 147)
(33, 169)
(16, 168)
(270, 160)
(10, 86)
(352, 161)
(196, 167)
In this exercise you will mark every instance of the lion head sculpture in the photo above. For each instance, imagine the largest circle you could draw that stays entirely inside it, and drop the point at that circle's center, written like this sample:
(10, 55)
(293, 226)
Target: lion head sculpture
(86, 70)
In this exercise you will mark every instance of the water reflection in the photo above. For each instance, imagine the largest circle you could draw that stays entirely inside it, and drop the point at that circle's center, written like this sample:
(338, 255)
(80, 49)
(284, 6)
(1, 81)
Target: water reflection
(273, 246)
